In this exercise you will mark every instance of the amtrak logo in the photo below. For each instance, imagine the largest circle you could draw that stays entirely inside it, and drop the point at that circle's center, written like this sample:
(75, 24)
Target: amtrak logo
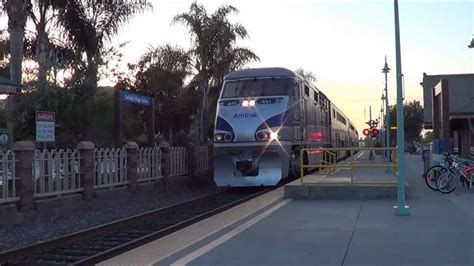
(252, 115)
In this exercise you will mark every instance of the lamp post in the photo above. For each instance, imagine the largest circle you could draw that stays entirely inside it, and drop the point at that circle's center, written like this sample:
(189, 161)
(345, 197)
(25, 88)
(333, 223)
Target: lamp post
(386, 70)
(384, 120)
(401, 208)
(381, 137)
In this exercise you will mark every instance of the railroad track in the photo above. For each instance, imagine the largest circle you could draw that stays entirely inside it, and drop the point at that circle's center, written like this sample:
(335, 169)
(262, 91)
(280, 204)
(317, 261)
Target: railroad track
(105, 241)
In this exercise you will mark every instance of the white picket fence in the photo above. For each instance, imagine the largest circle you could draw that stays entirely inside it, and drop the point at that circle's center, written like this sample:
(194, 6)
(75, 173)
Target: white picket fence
(56, 172)
(110, 168)
(201, 154)
(178, 163)
(149, 164)
(7, 177)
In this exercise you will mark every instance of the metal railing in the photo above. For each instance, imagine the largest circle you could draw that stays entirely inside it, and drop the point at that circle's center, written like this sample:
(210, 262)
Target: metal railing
(149, 164)
(328, 158)
(56, 172)
(178, 165)
(329, 164)
(7, 177)
(110, 168)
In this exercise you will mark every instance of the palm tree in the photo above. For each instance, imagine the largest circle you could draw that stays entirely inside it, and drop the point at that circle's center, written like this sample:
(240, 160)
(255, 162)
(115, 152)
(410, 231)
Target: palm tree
(308, 75)
(17, 16)
(161, 72)
(214, 50)
(106, 18)
(84, 24)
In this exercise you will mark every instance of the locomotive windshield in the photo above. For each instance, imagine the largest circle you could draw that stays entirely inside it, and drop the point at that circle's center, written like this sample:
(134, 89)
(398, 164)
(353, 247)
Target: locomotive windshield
(257, 87)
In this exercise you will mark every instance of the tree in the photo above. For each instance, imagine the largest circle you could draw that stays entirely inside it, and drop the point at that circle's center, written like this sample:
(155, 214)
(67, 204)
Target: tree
(214, 51)
(17, 16)
(308, 75)
(161, 72)
(106, 18)
(413, 115)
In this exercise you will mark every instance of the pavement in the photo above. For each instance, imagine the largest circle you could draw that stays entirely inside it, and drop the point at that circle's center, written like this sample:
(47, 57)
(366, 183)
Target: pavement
(438, 231)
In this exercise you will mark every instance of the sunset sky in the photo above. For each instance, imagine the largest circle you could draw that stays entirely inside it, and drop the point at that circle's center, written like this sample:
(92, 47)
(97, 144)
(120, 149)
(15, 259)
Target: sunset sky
(342, 42)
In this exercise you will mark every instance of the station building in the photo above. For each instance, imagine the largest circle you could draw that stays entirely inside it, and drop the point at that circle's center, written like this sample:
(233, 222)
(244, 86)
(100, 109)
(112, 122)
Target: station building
(448, 102)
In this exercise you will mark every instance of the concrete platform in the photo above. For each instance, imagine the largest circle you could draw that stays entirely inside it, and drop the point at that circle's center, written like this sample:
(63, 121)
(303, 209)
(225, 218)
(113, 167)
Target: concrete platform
(358, 183)
(271, 230)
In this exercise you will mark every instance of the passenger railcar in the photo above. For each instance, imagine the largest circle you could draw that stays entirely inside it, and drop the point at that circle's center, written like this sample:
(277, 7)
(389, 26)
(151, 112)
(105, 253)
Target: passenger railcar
(264, 117)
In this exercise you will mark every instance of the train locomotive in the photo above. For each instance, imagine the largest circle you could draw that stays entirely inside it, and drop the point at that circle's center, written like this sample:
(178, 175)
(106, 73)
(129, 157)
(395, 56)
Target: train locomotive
(264, 117)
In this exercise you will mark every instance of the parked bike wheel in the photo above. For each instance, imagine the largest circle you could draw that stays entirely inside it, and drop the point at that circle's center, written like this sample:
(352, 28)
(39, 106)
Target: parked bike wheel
(446, 182)
(432, 174)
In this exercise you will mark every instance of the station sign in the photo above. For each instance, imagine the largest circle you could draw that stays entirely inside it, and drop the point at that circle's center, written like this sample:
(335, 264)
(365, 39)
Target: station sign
(45, 125)
(135, 98)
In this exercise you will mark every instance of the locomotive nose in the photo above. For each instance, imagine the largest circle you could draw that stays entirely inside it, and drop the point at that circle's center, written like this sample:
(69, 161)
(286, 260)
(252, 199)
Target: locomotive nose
(247, 167)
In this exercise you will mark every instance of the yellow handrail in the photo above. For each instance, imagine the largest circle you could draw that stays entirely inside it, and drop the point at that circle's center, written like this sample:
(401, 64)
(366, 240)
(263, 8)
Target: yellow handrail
(329, 160)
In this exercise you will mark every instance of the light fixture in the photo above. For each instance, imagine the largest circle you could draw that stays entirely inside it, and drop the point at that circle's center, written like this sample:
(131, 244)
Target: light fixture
(273, 135)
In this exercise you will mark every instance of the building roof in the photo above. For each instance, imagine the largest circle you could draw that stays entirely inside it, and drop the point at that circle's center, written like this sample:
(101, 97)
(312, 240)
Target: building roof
(442, 76)
(429, 82)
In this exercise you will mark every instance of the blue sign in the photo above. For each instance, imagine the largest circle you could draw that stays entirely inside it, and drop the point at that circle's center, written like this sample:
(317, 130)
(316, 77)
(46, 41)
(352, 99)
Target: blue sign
(133, 98)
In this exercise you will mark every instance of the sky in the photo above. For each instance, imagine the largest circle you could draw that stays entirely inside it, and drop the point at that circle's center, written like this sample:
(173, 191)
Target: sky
(343, 43)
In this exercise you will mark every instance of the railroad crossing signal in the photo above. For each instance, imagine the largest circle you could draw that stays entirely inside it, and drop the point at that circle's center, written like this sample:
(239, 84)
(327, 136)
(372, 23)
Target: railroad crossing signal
(366, 132)
(374, 133)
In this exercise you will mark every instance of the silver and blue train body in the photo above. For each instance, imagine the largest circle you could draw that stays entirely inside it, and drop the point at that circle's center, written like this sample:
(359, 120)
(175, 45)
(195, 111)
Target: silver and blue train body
(264, 117)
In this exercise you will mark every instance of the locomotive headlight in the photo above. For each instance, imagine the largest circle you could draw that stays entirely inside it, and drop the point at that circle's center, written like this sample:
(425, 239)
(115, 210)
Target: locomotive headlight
(218, 137)
(245, 103)
(223, 137)
(252, 103)
(273, 135)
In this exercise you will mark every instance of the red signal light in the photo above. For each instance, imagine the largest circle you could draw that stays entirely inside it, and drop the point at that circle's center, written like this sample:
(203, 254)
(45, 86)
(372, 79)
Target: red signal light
(366, 132)
(375, 132)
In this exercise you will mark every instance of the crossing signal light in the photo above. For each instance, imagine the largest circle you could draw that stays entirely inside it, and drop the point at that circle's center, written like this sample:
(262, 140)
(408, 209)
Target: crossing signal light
(374, 133)
(366, 132)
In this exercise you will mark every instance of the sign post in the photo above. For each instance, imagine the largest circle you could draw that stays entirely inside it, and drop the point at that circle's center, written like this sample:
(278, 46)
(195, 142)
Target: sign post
(124, 96)
(3, 136)
(45, 125)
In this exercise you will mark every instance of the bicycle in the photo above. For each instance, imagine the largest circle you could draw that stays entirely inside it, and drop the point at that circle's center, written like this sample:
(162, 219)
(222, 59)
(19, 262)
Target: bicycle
(460, 170)
(432, 174)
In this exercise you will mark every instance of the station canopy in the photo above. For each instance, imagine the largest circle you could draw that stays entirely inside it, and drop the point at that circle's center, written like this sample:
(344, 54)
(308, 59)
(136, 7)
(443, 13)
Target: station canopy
(8, 87)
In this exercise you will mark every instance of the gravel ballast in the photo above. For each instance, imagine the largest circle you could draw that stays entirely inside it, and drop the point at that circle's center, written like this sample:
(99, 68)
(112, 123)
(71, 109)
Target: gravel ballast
(99, 212)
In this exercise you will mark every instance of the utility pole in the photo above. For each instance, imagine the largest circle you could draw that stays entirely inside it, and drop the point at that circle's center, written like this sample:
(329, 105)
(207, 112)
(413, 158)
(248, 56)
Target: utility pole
(401, 209)
(386, 70)
(370, 121)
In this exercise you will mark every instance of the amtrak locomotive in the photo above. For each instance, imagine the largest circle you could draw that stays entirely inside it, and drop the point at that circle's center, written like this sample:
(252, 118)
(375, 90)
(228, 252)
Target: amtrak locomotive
(264, 117)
